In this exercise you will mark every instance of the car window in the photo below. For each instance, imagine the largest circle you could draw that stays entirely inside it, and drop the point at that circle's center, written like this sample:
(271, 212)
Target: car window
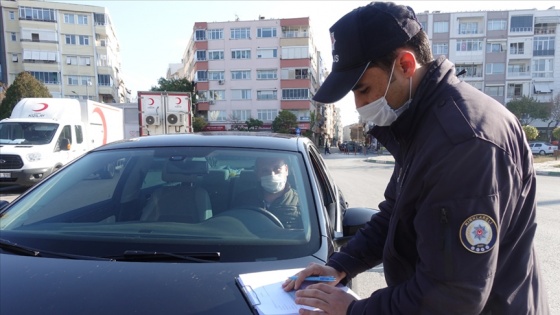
(172, 198)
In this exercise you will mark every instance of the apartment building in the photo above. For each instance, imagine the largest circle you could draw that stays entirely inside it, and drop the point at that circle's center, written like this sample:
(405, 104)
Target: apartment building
(72, 49)
(506, 54)
(253, 69)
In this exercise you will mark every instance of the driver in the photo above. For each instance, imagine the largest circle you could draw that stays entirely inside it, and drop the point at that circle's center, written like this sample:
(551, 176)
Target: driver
(274, 192)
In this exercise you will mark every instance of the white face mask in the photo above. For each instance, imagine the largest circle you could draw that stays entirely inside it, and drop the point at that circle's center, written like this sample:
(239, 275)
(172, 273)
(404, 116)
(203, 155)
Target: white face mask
(379, 112)
(274, 183)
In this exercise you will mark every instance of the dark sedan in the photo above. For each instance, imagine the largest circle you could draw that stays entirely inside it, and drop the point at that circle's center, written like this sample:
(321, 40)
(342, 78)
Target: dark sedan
(167, 233)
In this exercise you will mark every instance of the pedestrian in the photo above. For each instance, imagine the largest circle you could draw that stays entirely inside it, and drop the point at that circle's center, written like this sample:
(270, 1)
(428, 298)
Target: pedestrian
(327, 149)
(456, 230)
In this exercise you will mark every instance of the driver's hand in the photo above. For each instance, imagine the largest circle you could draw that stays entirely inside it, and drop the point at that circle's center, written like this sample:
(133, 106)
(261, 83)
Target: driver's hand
(313, 269)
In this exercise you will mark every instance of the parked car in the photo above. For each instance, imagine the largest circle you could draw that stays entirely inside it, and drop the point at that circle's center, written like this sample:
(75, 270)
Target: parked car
(162, 236)
(542, 148)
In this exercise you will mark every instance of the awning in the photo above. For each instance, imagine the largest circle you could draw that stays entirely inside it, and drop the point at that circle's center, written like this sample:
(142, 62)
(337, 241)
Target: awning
(542, 87)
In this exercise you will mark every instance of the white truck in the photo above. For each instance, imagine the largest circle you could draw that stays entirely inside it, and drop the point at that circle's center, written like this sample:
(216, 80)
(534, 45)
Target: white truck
(165, 112)
(43, 134)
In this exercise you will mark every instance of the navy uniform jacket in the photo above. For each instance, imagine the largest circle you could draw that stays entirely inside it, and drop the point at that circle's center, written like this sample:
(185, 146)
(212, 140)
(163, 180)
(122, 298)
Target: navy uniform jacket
(455, 232)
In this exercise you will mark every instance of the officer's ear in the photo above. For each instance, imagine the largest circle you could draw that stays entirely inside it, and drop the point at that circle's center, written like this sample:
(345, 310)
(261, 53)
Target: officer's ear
(406, 62)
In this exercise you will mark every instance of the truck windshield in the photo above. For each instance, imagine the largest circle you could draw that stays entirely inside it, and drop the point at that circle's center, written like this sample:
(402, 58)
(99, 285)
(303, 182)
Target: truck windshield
(27, 132)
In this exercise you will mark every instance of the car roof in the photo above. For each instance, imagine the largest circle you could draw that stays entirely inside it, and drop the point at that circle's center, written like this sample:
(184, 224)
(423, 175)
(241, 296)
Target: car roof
(261, 140)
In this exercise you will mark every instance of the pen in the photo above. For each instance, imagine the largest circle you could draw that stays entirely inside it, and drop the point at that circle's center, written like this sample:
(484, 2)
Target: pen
(317, 278)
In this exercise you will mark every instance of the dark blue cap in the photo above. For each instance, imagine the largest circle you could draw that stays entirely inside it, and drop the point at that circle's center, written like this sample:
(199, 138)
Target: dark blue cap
(361, 36)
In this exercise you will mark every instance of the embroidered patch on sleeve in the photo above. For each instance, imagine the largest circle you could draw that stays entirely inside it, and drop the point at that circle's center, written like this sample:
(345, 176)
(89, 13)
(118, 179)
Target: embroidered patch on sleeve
(478, 233)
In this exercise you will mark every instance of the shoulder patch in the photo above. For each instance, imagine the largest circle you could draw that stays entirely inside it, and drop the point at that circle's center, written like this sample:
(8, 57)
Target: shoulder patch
(478, 233)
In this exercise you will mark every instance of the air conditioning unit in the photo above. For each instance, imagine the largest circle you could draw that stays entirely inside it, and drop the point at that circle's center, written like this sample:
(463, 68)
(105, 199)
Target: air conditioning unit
(153, 120)
(221, 82)
(175, 119)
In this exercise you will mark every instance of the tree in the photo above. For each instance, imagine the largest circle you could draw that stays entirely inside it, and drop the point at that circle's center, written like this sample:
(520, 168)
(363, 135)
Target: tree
(176, 85)
(199, 123)
(556, 133)
(254, 123)
(25, 85)
(554, 114)
(284, 122)
(531, 132)
(527, 109)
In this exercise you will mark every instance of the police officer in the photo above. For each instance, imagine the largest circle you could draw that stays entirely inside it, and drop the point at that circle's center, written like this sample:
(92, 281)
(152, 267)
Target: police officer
(456, 230)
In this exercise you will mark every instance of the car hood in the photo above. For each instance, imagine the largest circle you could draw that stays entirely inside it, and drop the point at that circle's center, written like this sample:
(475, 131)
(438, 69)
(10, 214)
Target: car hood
(36, 285)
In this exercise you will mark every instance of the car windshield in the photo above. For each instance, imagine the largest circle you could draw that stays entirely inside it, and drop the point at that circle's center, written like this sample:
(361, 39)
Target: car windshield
(26, 132)
(170, 199)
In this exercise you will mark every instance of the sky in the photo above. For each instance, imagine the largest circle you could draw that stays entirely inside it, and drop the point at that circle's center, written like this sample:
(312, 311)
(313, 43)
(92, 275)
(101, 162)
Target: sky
(153, 34)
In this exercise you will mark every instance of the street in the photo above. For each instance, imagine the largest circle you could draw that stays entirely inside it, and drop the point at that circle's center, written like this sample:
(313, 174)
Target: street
(363, 184)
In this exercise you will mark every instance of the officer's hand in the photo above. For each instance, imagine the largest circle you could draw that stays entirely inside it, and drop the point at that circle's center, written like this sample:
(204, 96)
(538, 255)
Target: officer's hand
(313, 269)
(331, 300)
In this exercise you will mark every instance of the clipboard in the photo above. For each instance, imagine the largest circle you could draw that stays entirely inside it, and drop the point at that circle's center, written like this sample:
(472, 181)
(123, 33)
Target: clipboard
(249, 295)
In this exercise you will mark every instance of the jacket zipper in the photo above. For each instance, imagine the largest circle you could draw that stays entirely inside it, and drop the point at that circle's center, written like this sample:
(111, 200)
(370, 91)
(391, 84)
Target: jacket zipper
(446, 243)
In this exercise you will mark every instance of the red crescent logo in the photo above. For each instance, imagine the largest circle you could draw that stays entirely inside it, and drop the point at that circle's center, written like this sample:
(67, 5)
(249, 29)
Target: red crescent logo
(178, 100)
(45, 105)
(103, 122)
(151, 99)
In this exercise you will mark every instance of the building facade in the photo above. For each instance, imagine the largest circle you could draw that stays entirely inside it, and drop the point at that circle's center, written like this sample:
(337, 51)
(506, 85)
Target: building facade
(505, 54)
(73, 49)
(253, 69)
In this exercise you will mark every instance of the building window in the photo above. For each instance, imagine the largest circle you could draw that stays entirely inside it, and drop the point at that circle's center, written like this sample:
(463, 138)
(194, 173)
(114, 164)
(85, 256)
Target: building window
(268, 74)
(543, 68)
(543, 46)
(202, 76)
(217, 115)
(69, 18)
(72, 80)
(215, 33)
(469, 45)
(295, 94)
(267, 95)
(217, 95)
(215, 54)
(472, 71)
(82, 19)
(84, 61)
(494, 90)
(494, 47)
(104, 80)
(468, 28)
(46, 77)
(440, 48)
(241, 54)
(295, 52)
(215, 75)
(240, 33)
(15, 58)
(497, 25)
(441, 27)
(241, 115)
(83, 40)
(518, 70)
(266, 32)
(12, 15)
(521, 24)
(514, 90)
(263, 53)
(71, 60)
(242, 94)
(200, 35)
(37, 14)
(495, 68)
(517, 48)
(13, 36)
(200, 55)
(70, 39)
(267, 114)
(202, 96)
(295, 31)
(291, 74)
(241, 74)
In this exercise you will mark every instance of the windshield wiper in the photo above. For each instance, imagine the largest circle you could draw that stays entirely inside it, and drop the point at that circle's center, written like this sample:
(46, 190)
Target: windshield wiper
(28, 251)
(139, 255)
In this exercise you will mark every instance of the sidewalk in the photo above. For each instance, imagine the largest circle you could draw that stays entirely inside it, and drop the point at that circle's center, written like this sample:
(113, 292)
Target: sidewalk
(550, 168)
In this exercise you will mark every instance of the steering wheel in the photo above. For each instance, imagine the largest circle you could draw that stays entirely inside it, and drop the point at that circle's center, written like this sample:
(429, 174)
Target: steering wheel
(269, 215)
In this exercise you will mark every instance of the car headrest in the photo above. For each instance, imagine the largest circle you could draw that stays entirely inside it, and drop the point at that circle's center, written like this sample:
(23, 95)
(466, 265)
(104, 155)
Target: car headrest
(184, 171)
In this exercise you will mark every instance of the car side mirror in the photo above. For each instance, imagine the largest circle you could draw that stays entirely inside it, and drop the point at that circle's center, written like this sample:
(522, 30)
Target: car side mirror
(353, 220)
